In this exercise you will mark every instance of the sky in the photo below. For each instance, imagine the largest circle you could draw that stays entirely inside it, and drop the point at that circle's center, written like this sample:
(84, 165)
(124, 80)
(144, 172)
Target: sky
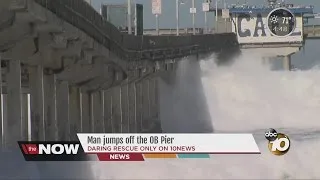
(167, 20)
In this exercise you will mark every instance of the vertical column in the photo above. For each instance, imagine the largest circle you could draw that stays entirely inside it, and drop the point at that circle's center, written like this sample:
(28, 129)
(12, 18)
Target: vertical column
(25, 115)
(1, 109)
(103, 107)
(138, 106)
(125, 108)
(13, 129)
(63, 122)
(75, 112)
(5, 118)
(146, 104)
(85, 112)
(156, 100)
(156, 109)
(98, 113)
(117, 118)
(109, 125)
(152, 92)
(50, 108)
(91, 111)
(154, 116)
(264, 60)
(267, 60)
(131, 108)
(37, 103)
(287, 62)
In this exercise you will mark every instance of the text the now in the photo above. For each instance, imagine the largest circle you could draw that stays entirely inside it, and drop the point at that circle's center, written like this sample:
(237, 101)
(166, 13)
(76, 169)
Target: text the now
(58, 148)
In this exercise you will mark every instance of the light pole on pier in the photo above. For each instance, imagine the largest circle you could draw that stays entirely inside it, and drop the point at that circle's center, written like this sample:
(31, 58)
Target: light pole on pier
(156, 10)
(206, 8)
(177, 16)
(135, 19)
(157, 24)
(129, 17)
(193, 18)
(178, 2)
(216, 24)
(205, 22)
(225, 19)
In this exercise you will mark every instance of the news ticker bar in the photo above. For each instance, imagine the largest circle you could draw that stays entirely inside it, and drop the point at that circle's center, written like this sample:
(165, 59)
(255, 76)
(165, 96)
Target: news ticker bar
(138, 147)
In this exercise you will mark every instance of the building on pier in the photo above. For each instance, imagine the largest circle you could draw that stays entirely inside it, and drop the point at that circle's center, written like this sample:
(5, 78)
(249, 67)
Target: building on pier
(250, 24)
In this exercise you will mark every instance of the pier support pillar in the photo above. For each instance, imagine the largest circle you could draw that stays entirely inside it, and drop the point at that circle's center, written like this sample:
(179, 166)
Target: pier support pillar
(153, 98)
(108, 114)
(117, 112)
(14, 126)
(132, 117)
(98, 111)
(25, 116)
(287, 62)
(50, 108)
(1, 111)
(5, 118)
(146, 109)
(125, 107)
(265, 60)
(37, 103)
(75, 112)
(91, 111)
(85, 112)
(139, 106)
(63, 122)
(154, 120)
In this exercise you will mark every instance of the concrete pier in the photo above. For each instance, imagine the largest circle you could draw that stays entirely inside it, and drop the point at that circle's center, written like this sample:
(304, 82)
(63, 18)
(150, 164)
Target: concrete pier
(83, 77)
(77, 70)
(14, 126)
(287, 62)
(75, 112)
(265, 60)
(59, 111)
(37, 103)
(63, 106)
(109, 125)
(85, 102)
(50, 107)
(1, 110)
(98, 119)
(132, 118)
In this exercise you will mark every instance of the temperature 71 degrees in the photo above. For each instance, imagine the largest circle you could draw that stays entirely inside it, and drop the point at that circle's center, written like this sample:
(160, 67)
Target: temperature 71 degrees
(285, 20)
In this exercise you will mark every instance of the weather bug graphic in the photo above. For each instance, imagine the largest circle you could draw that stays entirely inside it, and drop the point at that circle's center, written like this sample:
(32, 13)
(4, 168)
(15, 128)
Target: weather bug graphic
(278, 143)
(281, 22)
(274, 19)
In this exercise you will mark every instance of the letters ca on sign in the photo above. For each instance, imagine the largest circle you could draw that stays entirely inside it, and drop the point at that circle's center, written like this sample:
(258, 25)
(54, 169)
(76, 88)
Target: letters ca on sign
(251, 26)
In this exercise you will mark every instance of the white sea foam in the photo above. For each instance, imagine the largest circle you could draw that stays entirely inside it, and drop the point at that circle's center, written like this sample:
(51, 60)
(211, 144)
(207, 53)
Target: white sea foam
(244, 97)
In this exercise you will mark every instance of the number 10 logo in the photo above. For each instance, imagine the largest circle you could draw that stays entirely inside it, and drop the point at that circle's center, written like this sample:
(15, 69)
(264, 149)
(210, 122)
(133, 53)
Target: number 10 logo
(279, 144)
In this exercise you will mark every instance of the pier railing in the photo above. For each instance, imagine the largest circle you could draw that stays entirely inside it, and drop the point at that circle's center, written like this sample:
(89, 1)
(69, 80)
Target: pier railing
(83, 16)
(312, 31)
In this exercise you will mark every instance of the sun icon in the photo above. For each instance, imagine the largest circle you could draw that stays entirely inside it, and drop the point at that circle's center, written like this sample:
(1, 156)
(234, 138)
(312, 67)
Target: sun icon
(274, 19)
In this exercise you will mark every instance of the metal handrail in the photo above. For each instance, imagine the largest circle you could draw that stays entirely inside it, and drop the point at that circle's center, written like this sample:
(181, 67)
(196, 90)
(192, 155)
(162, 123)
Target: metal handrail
(83, 16)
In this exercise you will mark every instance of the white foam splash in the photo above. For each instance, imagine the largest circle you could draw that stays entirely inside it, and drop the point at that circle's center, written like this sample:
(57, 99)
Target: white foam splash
(245, 97)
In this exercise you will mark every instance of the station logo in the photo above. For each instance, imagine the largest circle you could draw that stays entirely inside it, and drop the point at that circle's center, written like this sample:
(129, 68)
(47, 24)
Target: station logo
(52, 150)
(278, 143)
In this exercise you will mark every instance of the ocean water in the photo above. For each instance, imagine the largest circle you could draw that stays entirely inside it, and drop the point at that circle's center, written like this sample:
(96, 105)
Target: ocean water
(244, 97)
